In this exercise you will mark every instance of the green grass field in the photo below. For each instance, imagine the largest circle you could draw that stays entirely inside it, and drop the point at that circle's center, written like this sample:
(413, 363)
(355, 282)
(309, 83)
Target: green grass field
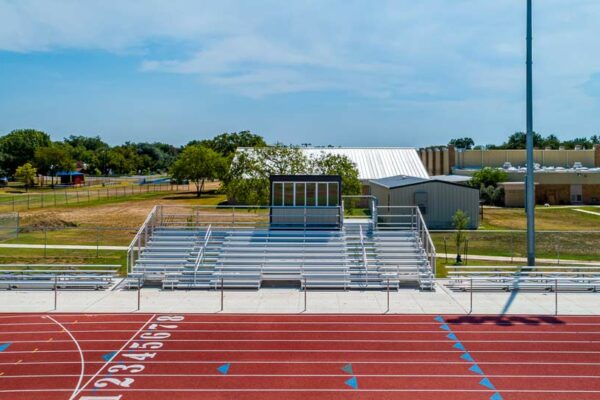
(114, 221)
(51, 256)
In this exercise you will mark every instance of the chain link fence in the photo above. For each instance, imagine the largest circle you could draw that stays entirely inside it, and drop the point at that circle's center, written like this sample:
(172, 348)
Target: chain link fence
(9, 225)
(62, 197)
(552, 245)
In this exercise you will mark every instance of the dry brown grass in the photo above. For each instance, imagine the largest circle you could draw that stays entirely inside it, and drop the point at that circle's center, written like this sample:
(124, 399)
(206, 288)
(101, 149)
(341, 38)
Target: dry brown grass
(121, 214)
(553, 219)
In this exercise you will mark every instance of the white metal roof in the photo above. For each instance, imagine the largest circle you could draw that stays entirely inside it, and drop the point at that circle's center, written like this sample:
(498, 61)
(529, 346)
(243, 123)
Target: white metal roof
(375, 162)
(378, 162)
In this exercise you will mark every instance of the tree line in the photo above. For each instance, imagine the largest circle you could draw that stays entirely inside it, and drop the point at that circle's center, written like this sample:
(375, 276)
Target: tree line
(518, 141)
(93, 156)
(26, 153)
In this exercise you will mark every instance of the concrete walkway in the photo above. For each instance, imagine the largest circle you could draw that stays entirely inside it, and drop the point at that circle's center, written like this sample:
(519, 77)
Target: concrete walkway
(587, 212)
(405, 301)
(439, 255)
(60, 247)
(522, 260)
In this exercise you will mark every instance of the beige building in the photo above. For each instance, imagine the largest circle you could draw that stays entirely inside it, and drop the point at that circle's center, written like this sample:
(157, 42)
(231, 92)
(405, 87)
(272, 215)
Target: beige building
(561, 176)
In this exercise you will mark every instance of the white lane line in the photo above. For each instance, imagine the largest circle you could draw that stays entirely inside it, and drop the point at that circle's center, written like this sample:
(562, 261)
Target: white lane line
(263, 390)
(114, 355)
(80, 355)
(315, 351)
(325, 341)
(217, 322)
(470, 375)
(150, 362)
(317, 331)
(515, 319)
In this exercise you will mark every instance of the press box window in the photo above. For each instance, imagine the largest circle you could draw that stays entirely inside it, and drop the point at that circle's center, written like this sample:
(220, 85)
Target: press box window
(277, 194)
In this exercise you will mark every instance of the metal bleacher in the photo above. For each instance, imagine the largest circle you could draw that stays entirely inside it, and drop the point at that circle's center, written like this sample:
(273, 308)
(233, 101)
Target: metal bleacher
(57, 276)
(525, 278)
(234, 248)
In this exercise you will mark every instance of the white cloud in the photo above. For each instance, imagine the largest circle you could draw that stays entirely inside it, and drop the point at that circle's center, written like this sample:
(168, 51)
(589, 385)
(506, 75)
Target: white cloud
(386, 49)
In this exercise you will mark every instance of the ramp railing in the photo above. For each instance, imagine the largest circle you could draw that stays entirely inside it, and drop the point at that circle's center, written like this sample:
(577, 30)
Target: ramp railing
(201, 251)
(364, 256)
(408, 218)
(142, 236)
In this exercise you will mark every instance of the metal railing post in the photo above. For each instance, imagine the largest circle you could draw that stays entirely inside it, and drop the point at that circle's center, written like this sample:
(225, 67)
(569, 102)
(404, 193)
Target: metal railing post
(55, 292)
(388, 296)
(305, 295)
(555, 296)
(139, 295)
(222, 294)
(471, 298)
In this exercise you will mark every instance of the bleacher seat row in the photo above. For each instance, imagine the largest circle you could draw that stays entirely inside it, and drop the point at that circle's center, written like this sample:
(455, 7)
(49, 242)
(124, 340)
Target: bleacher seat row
(355, 257)
(510, 278)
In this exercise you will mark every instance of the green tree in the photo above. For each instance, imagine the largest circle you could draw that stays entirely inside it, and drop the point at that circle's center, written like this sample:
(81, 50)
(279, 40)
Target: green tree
(488, 176)
(124, 159)
(196, 164)
(334, 164)
(551, 141)
(460, 222)
(227, 143)
(54, 158)
(490, 195)
(518, 140)
(247, 181)
(26, 173)
(463, 143)
(19, 146)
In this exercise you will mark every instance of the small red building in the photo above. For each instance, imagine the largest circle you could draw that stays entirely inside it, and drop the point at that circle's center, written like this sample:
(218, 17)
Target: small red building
(71, 178)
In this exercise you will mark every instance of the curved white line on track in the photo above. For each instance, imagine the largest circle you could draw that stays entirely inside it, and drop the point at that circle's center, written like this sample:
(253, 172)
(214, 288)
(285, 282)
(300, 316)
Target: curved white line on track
(114, 355)
(80, 355)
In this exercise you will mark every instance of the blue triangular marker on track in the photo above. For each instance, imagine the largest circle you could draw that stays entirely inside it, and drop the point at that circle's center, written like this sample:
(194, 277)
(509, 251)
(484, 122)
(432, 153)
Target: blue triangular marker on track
(224, 369)
(459, 346)
(486, 382)
(445, 327)
(496, 396)
(475, 368)
(352, 382)
(108, 356)
(439, 319)
(348, 369)
(452, 336)
(4, 346)
(467, 357)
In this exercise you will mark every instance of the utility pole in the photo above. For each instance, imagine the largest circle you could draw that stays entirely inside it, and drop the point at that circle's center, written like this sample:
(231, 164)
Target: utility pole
(530, 180)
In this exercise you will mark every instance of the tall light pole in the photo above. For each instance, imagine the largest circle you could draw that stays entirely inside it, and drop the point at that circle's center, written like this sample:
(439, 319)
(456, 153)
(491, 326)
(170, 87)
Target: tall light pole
(529, 181)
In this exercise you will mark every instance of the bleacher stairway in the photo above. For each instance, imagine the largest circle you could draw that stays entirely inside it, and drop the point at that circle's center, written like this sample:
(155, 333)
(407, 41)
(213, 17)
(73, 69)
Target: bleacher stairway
(355, 257)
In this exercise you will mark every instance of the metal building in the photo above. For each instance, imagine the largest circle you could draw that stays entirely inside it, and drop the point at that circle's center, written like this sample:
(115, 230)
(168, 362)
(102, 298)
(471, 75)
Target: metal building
(438, 200)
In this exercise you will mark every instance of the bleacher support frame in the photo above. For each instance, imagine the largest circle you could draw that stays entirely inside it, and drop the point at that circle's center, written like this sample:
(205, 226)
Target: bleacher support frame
(197, 226)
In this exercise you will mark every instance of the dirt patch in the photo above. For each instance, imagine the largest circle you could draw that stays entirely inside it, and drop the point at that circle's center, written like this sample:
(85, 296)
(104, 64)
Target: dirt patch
(127, 214)
(47, 220)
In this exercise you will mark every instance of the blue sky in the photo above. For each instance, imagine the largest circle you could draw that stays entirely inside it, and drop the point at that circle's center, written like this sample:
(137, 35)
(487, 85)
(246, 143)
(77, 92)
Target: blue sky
(353, 73)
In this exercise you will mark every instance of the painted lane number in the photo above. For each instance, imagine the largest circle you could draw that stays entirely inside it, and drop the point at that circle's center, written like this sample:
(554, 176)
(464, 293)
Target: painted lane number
(156, 335)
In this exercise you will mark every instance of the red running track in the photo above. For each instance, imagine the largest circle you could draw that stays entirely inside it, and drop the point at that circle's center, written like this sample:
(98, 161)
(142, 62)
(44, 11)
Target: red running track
(321, 357)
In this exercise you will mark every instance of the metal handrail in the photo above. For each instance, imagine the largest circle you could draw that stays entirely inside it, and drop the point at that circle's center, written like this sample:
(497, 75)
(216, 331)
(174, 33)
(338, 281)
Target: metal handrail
(364, 251)
(200, 255)
(426, 240)
(137, 238)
